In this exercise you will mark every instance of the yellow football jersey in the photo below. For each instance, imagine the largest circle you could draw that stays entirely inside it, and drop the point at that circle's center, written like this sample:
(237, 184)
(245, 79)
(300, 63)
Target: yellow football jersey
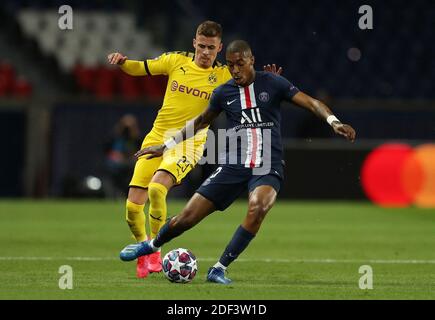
(188, 90)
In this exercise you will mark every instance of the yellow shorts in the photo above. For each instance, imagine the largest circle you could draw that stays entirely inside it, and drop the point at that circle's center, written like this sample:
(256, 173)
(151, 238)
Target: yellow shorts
(178, 161)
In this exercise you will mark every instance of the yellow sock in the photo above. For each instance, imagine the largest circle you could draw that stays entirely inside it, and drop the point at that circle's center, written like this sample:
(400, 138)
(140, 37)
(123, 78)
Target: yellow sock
(157, 211)
(136, 220)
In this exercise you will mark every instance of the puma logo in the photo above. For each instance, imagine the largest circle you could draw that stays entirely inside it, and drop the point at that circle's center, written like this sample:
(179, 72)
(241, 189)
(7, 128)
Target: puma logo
(156, 218)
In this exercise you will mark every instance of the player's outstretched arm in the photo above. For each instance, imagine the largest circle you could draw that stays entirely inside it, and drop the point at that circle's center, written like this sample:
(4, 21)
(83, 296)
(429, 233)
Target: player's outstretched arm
(192, 127)
(131, 67)
(323, 112)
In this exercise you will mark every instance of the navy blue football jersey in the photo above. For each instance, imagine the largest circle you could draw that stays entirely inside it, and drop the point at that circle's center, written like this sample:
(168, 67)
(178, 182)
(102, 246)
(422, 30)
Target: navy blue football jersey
(253, 118)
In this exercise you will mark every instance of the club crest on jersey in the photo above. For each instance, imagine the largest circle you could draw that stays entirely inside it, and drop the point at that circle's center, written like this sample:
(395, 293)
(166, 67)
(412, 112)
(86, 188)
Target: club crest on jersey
(251, 116)
(212, 78)
(263, 97)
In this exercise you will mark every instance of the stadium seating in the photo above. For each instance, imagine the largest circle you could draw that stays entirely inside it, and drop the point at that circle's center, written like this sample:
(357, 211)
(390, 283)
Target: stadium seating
(83, 50)
(11, 84)
(310, 39)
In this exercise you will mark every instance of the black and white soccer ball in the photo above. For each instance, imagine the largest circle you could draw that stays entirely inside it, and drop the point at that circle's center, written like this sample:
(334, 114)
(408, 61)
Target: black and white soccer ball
(179, 265)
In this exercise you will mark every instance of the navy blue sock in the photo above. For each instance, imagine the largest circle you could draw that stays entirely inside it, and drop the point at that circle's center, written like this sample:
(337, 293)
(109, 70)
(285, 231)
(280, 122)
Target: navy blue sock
(166, 234)
(238, 243)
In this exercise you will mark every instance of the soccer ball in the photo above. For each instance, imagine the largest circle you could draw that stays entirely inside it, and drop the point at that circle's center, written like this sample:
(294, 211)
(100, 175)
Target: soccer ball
(179, 265)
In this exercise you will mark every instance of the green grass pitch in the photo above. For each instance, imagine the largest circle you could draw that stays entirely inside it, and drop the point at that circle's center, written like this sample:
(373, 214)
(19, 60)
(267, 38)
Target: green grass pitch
(305, 250)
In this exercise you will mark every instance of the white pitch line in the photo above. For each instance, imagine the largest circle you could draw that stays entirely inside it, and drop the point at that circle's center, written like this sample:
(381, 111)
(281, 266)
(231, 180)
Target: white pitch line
(324, 261)
(57, 258)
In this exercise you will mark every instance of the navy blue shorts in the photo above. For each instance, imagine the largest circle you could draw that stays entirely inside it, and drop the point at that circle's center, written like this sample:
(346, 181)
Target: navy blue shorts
(227, 183)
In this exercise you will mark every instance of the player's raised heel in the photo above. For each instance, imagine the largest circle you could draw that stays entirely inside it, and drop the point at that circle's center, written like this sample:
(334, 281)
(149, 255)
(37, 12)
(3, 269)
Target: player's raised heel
(142, 267)
(217, 275)
(134, 251)
(155, 262)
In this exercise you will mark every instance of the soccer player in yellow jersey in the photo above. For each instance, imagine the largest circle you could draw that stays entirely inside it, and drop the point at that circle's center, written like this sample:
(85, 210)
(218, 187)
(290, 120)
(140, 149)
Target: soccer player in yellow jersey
(192, 79)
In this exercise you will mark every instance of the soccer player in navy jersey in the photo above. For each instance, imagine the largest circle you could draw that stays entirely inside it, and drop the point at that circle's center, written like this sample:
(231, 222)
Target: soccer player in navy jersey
(251, 101)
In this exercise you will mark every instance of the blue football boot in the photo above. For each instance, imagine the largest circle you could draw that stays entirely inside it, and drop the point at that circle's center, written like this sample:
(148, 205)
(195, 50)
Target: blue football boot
(217, 275)
(136, 250)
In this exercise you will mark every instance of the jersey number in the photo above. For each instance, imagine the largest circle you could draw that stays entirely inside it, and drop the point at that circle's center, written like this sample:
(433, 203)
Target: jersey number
(183, 164)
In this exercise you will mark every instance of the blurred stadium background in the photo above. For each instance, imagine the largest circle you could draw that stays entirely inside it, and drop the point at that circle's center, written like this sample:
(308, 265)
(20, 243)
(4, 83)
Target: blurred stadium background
(60, 101)
(66, 117)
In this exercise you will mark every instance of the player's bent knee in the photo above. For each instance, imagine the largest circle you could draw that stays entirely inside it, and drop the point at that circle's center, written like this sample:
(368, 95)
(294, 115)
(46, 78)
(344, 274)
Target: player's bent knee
(137, 195)
(157, 191)
(257, 212)
(164, 178)
(259, 208)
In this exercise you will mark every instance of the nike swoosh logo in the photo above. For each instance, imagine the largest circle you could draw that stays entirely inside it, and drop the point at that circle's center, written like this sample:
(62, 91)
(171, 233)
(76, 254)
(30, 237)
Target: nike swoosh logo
(230, 102)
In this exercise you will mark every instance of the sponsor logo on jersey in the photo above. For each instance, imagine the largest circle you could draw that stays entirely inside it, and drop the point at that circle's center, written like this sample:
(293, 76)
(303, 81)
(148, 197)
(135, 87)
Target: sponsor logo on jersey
(230, 102)
(175, 86)
(252, 115)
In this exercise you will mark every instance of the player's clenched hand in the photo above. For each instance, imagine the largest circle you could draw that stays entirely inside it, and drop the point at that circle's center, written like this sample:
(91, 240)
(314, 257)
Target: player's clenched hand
(116, 58)
(153, 151)
(272, 68)
(345, 130)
